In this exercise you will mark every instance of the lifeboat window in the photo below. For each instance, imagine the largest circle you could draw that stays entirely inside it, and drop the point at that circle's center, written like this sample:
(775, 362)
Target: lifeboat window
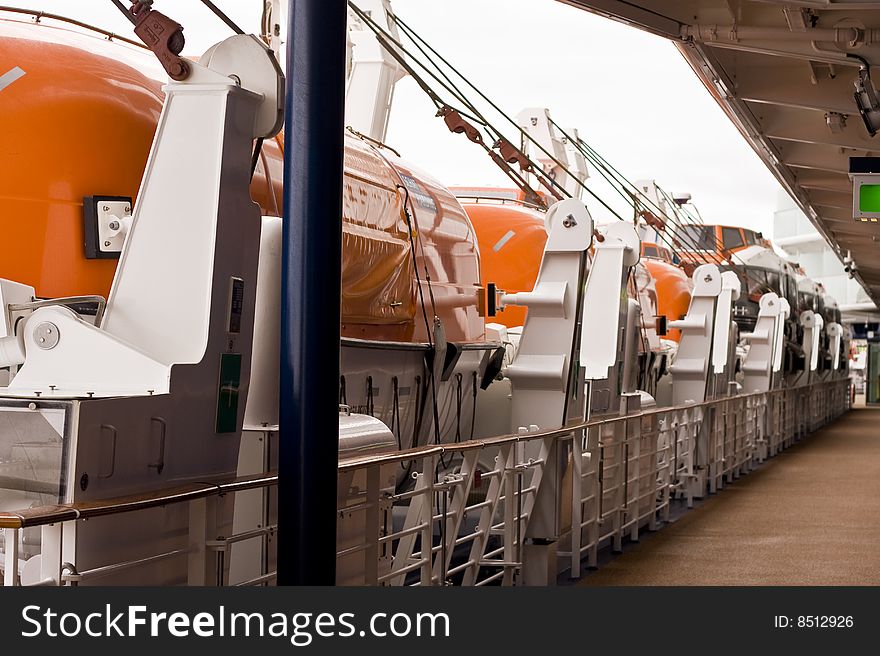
(791, 291)
(698, 238)
(807, 301)
(732, 238)
(751, 237)
(650, 251)
(757, 284)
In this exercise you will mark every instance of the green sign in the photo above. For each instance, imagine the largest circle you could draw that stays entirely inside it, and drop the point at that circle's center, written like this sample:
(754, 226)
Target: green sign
(869, 198)
(227, 392)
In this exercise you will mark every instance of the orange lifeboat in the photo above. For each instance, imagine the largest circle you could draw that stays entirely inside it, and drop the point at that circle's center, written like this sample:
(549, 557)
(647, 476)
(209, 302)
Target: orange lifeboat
(671, 283)
(80, 121)
(512, 237)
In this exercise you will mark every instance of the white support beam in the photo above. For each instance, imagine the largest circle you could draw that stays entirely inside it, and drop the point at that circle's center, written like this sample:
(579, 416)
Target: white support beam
(374, 72)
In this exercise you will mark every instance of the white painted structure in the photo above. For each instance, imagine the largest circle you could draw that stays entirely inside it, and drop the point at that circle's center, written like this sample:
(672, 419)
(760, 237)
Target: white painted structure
(764, 356)
(704, 352)
(155, 395)
(560, 160)
(373, 72)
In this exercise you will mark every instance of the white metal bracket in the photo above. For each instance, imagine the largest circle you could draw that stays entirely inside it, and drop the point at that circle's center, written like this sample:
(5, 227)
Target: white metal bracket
(758, 365)
(835, 332)
(604, 299)
(690, 370)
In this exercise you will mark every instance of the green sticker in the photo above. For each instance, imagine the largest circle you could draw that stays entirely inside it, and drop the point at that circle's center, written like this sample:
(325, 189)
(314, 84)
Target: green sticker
(227, 392)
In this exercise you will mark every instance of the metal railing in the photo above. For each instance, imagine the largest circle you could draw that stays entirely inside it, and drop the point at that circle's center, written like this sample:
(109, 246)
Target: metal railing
(206, 551)
(467, 521)
(469, 513)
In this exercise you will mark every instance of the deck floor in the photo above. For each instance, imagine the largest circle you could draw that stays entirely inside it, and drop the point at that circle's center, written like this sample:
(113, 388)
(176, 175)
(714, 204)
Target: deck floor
(809, 516)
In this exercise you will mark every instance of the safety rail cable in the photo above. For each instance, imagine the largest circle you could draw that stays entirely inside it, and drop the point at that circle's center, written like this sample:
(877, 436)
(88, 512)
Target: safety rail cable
(39, 15)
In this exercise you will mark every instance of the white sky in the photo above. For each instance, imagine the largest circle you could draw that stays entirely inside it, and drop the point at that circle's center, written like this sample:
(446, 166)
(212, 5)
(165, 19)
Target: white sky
(630, 94)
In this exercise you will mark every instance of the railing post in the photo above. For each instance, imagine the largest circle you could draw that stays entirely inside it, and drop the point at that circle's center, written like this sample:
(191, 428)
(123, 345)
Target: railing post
(640, 497)
(577, 501)
(10, 571)
(202, 529)
(372, 527)
(714, 460)
(594, 436)
(510, 519)
(50, 552)
(427, 538)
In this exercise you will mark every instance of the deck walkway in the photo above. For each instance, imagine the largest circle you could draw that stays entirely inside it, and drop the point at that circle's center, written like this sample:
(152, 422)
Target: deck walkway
(809, 516)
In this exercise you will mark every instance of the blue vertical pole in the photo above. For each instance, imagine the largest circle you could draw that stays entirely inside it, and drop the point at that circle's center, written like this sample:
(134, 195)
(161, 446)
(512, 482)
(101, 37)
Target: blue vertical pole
(310, 302)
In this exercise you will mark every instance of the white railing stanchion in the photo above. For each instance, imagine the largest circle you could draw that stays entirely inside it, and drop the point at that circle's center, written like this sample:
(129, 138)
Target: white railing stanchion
(10, 566)
(50, 553)
(200, 533)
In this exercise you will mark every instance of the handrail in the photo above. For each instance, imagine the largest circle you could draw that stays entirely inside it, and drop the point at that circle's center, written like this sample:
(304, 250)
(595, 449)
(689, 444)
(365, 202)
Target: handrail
(497, 199)
(358, 462)
(40, 516)
(43, 515)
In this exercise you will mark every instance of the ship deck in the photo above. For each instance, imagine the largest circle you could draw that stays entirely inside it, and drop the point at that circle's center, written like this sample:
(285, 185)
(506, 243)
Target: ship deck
(806, 517)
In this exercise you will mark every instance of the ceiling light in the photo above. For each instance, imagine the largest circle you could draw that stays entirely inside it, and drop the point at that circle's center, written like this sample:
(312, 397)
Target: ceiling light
(866, 99)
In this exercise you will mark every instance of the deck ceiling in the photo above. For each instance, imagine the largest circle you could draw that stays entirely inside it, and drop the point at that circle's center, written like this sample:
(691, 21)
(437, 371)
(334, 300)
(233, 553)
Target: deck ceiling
(782, 87)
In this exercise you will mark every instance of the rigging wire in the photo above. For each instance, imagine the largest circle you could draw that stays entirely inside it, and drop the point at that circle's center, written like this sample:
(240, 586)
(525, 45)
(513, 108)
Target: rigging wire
(398, 50)
(414, 36)
(412, 245)
(616, 180)
(591, 154)
(121, 7)
(222, 16)
(682, 236)
(619, 183)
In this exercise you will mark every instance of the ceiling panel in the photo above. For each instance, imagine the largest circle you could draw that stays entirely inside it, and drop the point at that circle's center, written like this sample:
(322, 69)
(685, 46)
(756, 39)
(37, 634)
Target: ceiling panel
(784, 73)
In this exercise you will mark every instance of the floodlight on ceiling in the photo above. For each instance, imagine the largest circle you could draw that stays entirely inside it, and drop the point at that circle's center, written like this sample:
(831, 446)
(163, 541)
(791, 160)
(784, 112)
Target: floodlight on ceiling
(866, 98)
